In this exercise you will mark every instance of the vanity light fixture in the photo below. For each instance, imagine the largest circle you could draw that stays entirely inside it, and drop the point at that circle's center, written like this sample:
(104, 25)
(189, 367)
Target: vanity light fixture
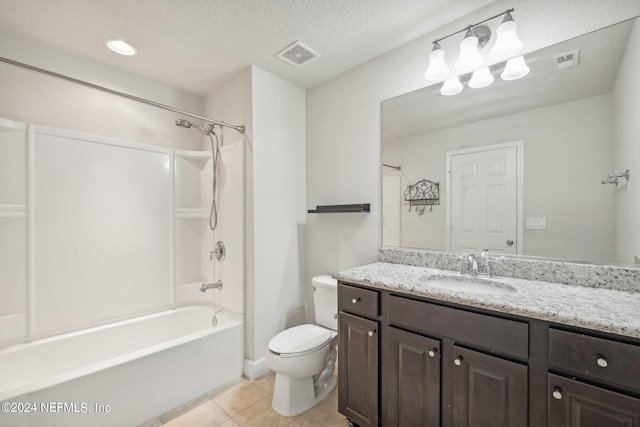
(470, 59)
(451, 86)
(437, 68)
(516, 68)
(481, 78)
(121, 47)
(507, 41)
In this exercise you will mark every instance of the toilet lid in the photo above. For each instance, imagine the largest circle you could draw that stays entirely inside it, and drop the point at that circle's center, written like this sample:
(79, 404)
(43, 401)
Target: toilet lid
(299, 339)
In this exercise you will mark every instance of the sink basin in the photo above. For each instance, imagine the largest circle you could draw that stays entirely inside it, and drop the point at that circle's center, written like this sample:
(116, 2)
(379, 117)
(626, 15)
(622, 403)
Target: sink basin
(473, 285)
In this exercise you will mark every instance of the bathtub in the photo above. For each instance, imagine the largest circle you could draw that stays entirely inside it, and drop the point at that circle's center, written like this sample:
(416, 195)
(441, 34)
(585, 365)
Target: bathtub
(120, 374)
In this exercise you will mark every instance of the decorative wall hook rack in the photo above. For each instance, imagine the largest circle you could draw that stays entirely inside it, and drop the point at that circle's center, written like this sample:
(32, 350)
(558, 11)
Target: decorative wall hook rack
(613, 177)
(422, 193)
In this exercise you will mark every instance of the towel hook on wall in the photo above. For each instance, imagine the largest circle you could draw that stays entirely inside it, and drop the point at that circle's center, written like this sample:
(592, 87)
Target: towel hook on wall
(613, 177)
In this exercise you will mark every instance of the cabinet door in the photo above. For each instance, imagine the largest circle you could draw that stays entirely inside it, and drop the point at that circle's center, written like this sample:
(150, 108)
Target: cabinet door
(488, 391)
(358, 371)
(575, 404)
(413, 394)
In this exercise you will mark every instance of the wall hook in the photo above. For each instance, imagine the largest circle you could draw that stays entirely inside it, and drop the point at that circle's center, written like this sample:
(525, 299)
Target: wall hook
(613, 177)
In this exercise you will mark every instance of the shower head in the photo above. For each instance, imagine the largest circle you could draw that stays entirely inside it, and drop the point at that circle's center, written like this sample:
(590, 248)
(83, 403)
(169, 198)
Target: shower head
(187, 124)
(183, 123)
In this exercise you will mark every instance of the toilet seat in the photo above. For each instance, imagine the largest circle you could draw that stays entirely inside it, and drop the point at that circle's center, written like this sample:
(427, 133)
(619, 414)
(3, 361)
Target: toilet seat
(300, 340)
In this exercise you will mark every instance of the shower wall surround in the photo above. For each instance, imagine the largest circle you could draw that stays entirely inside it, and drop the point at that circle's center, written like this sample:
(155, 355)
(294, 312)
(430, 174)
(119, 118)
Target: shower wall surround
(94, 229)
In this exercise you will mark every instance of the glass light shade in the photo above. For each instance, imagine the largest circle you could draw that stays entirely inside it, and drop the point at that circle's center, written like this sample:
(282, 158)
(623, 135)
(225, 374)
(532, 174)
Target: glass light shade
(121, 47)
(451, 86)
(470, 57)
(516, 68)
(437, 68)
(507, 41)
(481, 78)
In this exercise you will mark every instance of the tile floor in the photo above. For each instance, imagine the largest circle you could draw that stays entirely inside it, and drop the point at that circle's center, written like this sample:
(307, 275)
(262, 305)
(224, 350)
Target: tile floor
(247, 403)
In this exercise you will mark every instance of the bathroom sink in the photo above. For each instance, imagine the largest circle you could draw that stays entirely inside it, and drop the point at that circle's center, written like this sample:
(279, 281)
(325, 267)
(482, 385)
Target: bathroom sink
(475, 285)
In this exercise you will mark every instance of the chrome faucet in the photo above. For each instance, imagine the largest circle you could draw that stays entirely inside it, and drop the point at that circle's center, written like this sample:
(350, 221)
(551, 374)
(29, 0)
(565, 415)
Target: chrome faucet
(469, 265)
(474, 266)
(215, 285)
(487, 266)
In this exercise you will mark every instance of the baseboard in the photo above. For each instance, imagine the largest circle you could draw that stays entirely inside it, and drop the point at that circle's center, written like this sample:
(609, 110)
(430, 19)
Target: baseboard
(254, 369)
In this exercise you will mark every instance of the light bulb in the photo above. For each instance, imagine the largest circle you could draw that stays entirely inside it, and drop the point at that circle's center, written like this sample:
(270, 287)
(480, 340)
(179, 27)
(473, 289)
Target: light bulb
(121, 47)
(451, 86)
(516, 68)
(481, 78)
(507, 42)
(437, 68)
(469, 57)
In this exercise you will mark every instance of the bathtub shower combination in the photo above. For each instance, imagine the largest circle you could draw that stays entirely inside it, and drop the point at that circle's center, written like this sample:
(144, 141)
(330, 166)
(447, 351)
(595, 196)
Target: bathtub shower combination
(122, 373)
(108, 244)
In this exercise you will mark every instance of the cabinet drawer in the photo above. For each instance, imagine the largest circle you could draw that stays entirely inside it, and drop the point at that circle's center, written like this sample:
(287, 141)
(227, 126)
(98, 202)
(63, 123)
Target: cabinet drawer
(492, 333)
(358, 300)
(603, 359)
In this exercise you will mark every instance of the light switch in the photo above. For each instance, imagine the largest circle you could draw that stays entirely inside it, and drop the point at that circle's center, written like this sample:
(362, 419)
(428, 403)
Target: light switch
(536, 223)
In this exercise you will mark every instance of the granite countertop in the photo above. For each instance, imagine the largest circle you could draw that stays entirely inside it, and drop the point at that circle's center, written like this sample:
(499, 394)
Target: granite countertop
(605, 310)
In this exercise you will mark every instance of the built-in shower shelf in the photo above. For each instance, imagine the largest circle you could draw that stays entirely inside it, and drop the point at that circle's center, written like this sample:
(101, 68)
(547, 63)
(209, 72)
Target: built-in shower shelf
(13, 211)
(191, 213)
(198, 158)
(358, 207)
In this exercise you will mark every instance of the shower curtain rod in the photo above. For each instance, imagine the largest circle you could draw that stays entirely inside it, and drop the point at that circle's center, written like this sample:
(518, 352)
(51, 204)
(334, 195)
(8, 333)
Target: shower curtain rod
(240, 129)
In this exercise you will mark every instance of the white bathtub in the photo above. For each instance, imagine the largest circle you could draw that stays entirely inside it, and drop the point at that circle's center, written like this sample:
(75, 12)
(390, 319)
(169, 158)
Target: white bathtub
(120, 374)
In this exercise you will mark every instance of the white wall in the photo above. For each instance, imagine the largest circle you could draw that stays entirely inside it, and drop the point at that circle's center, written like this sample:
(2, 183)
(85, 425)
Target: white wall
(553, 136)
(626, 105)
(279, 207)
(35, 98)
(343, 121)
(273, 111)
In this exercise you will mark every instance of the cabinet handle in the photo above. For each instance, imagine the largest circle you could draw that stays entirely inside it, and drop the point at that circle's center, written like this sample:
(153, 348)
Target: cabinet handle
(355, 300)
(458, 361)
(602, 362)
(432, 353)
(370, 333)
(557, 393)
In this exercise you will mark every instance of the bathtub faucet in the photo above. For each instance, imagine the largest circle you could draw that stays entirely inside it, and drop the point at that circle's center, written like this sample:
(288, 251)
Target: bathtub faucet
(216, 285)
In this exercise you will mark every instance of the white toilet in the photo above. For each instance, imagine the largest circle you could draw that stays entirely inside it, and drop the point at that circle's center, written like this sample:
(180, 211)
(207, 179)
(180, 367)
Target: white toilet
(304, 357)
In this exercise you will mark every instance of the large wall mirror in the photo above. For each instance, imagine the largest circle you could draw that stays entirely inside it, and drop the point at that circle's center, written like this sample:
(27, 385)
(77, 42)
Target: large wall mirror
(525, 166)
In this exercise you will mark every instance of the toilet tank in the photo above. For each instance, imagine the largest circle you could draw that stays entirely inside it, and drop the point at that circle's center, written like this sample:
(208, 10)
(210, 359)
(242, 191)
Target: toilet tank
(325, 301)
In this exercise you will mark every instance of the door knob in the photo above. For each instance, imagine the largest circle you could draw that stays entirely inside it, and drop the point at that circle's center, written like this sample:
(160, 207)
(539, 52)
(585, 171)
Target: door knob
(557, 393)
(458, 361)
(509, 242)
(432, 353)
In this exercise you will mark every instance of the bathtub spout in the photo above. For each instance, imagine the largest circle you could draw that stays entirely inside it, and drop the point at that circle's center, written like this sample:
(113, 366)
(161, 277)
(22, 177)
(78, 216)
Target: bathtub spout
(216, 285)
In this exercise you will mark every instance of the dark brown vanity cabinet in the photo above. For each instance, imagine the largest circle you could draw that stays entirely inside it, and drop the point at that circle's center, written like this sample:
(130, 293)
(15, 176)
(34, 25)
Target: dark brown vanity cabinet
(413, 389)
(358, 357)
(601, 381)
(452, 367)
(406, 361)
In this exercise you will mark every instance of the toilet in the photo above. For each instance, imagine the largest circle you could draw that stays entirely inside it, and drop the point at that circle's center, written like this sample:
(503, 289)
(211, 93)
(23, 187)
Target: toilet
(304, 357)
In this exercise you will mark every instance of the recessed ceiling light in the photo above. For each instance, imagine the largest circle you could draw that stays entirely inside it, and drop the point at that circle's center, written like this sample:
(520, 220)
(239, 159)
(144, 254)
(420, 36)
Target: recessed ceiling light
(121, 47)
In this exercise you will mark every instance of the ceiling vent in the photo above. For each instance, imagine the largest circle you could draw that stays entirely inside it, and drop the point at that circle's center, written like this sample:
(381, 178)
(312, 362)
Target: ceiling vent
(297, 54)
(566, 60)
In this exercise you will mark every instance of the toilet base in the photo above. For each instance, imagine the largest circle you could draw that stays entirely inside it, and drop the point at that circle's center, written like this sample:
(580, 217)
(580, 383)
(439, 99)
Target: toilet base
(293, 396)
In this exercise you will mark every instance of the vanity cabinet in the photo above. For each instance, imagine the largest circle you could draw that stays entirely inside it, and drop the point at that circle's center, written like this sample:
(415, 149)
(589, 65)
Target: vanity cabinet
(407, 360)
(359, 370)
(413, 390)
(602, 383)
(450, 367)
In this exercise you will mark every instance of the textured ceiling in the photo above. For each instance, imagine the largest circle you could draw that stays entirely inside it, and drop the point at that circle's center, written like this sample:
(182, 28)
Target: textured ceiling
(195, 45)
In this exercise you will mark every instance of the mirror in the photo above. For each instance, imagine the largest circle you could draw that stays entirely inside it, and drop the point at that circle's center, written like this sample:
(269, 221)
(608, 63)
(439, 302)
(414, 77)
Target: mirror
(551, 138)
